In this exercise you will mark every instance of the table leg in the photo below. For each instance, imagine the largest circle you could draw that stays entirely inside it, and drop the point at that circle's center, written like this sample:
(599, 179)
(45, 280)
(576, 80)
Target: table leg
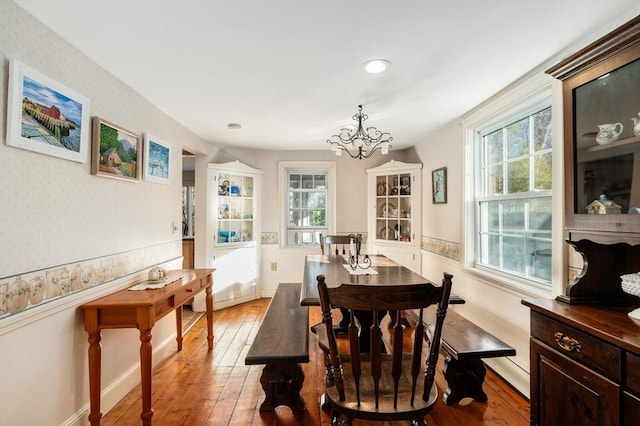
(209, 303)
(95, 362)
(179, 327)
(145, 373)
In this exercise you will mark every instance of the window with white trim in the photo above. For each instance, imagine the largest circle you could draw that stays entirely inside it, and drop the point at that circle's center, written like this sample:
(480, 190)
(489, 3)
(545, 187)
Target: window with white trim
(308, 198)
(512, 202)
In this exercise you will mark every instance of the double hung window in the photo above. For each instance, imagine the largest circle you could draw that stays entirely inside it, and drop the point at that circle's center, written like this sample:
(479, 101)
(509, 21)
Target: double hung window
(308, 202)
(513, 199)
(508, 238)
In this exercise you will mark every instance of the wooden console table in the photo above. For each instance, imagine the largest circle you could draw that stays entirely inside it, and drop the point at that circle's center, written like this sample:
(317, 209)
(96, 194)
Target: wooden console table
(141, 309)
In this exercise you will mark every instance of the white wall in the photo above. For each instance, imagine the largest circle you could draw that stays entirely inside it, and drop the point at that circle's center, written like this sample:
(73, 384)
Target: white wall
(55, 215)
(351, 199)
(493, 307)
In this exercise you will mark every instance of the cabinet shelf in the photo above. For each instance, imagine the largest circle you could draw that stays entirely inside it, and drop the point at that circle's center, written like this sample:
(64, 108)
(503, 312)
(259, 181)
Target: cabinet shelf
(614, 144)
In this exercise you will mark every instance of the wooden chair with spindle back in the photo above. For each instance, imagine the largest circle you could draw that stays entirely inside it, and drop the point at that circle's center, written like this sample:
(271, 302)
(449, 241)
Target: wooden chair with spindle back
(371, 385)
(337, 244)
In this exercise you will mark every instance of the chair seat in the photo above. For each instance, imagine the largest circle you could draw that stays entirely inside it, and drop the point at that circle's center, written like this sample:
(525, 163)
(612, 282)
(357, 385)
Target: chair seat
(385, 409)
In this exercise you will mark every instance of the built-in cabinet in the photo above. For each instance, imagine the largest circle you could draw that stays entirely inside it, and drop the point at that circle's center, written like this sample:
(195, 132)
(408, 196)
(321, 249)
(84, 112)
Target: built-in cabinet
(585, 349)
(233, 231)
(394, 212)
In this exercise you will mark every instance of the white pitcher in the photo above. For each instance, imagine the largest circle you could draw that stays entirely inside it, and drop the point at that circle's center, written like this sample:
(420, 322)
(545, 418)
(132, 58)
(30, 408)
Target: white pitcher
(608, 133)
(636, 125)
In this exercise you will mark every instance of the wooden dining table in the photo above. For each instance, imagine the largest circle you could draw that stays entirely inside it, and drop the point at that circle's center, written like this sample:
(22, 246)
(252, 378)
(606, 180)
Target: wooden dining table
(383, 271)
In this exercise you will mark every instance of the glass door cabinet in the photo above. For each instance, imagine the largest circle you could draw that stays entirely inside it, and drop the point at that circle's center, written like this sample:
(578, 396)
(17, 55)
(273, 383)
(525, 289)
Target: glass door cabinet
(394, 214)
(233, 231)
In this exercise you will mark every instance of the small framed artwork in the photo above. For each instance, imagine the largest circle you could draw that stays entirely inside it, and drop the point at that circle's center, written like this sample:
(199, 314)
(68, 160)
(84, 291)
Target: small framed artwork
(45, 116)
(156, 163)
(439, 185)
(116, 151)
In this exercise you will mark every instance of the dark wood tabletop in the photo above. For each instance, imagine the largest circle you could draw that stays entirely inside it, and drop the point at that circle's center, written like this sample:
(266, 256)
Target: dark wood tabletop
(332, 267)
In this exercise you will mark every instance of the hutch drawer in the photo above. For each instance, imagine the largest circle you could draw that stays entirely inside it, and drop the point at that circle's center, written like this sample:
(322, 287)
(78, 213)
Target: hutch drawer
(584, 348)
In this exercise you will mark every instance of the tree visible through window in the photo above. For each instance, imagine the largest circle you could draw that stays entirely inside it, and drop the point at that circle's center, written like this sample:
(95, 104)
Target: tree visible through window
(514, 198)
(307, 207)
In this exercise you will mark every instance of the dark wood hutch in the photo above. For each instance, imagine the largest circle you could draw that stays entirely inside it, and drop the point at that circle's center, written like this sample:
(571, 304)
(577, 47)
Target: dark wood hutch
(585, 349)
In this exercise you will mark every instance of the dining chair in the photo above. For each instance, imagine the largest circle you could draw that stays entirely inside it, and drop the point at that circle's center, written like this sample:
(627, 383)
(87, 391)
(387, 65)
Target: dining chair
(338, 244)
(370, 384)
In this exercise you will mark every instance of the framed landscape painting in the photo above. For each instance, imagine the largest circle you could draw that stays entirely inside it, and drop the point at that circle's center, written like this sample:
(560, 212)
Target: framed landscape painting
(439, 183)
(45, 116)
(116, 151)
(156, 163)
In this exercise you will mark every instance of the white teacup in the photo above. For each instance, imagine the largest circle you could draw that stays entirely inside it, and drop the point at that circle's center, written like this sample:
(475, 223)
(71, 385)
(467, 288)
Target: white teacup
(157, 274)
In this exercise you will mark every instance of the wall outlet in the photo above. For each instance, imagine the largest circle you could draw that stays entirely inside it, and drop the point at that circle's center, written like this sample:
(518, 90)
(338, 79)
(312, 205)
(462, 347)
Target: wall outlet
(274, 266)
(176, 228)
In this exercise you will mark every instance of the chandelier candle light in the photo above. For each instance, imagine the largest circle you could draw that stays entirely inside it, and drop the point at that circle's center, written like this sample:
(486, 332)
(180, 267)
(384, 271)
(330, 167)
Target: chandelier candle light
(361, 143)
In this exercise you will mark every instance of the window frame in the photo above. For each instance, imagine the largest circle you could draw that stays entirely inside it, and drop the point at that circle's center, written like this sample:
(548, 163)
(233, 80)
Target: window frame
(304, 167)
(523, 100)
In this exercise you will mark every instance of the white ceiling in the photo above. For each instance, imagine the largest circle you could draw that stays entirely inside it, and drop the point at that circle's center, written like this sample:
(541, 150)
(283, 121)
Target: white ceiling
(290, 71)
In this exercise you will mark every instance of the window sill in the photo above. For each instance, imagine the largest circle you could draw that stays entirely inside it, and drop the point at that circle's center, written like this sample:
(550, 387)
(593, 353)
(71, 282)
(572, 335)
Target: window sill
(509, 283)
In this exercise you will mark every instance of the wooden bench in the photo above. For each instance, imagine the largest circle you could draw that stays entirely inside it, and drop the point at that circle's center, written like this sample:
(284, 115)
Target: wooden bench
(465, 345)
(281, 344)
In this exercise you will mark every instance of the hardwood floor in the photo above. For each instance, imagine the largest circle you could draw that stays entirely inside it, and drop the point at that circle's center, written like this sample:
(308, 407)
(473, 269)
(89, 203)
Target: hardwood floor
(201, 387)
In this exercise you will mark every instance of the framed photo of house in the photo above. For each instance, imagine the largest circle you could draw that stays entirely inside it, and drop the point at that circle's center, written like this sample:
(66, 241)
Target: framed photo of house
(116, 152)
(45, 116)
(157, 157)
(439, 185)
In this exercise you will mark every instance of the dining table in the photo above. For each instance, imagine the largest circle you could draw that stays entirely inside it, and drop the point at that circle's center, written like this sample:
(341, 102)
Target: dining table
(337, 271)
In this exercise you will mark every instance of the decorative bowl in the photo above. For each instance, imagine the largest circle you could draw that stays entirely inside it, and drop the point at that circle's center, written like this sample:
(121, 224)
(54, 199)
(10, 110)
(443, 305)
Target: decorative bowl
(631, 285)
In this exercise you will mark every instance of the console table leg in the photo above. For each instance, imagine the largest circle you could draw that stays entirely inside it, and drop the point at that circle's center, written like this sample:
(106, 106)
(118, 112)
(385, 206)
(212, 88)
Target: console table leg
(179, 327)
(95, 360)
(145, 373)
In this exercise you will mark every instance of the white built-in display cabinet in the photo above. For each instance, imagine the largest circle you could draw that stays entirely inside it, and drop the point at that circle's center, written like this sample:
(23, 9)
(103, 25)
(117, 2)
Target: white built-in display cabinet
(233, 231)
(394, 212)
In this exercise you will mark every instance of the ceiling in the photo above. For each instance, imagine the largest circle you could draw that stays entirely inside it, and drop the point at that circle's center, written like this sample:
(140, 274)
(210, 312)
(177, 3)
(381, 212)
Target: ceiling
(290, 71)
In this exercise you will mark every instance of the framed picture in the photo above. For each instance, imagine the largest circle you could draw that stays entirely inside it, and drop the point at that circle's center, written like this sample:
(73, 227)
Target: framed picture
(46, 117)
(116, 151)
(439, 185)
(156, 163)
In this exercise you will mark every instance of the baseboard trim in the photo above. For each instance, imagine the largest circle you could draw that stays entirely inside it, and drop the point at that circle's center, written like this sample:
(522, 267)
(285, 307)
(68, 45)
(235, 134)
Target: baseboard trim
(510, 372)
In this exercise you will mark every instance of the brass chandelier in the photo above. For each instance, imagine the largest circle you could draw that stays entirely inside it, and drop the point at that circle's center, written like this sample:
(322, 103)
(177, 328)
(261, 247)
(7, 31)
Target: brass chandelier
(362, 143)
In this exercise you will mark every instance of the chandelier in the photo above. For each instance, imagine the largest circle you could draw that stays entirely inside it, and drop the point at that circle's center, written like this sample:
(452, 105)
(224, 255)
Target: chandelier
(362, 143)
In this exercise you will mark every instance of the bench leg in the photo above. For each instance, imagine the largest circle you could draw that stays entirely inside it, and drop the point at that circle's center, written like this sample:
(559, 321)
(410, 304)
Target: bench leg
(282, 384)
(464, 378)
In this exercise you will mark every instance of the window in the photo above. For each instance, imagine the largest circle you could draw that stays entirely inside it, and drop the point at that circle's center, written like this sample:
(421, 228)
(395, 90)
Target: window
(511, 203)
(514, 202)
(308, 199)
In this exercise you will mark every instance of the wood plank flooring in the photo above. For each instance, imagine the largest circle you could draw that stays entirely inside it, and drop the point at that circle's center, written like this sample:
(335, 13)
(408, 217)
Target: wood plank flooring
(201, 387)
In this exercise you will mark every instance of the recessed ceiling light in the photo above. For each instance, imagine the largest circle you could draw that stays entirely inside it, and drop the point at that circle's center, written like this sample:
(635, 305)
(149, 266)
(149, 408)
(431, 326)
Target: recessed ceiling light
(234, 126)
(375, 66)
